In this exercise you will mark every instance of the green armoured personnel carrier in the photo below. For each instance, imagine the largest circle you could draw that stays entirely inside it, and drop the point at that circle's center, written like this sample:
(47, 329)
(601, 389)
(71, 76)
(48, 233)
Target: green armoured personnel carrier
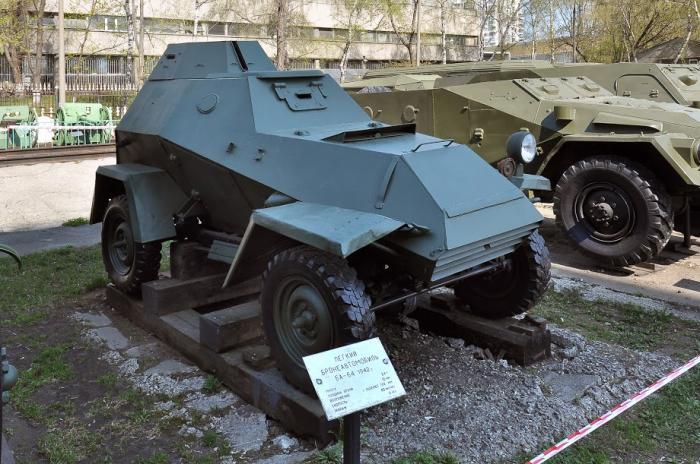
(623, 167)
(670, 83)
(17, 137)
(80, 118)
(281, 174)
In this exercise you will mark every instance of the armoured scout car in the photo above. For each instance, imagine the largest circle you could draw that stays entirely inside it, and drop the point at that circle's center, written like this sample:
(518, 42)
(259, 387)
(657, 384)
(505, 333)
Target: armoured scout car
(281, 174)
(623, 167)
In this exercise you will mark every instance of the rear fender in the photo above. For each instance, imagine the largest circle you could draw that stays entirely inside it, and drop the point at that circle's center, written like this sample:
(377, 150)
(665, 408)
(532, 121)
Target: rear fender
(335, 230)
(152, 194)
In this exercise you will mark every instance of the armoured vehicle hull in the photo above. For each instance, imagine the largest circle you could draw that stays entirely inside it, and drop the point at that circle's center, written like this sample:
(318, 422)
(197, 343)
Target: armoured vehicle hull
(622, 166)
(666, 83)
(281, 174)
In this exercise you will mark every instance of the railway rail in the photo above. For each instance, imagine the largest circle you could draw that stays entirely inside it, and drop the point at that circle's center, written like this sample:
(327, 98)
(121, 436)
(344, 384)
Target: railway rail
(56, 154)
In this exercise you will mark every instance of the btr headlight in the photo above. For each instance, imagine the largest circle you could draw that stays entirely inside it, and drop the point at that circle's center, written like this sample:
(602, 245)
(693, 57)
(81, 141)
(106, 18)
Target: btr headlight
(522, 146)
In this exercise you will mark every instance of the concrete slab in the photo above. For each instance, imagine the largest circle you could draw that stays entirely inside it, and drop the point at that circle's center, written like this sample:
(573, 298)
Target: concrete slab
(92, 319)
(170, 367)
(33, 241)
(208, 403)
(48, 194)
(110, 336)
(245, 428)
(569, 387)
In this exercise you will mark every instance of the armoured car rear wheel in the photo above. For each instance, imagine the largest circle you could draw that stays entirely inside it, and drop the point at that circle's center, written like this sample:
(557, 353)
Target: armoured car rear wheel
(128, 263)
(311, 301)
(614, 210)
(513, 290)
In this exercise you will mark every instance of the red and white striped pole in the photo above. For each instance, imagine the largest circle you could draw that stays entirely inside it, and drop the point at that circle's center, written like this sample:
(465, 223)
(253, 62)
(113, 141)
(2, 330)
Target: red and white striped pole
(614, 412)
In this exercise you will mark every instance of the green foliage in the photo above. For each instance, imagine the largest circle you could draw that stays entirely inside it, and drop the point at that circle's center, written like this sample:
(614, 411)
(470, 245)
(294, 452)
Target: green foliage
(663, 428)
(49, 366)
(211, 385)
(68, 444)
(427, 457)
(623, 324)
(75, 222)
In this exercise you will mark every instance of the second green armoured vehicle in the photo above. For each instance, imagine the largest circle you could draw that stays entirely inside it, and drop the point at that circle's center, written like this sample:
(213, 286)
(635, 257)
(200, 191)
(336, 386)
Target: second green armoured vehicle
(669, 83)
(623, 167)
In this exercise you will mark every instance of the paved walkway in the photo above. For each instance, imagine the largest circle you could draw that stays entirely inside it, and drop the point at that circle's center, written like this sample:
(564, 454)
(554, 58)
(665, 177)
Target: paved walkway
(32, 241)
(46, 195)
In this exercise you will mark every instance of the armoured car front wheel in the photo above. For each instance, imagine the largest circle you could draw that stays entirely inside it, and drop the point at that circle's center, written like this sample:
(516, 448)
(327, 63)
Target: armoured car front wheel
(311, 301)
(513, 290)
(128, 263)
(614, 210)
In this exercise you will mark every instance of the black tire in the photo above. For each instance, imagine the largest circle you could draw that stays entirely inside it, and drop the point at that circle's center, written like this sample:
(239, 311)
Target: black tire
(513, 290)
(630, 226)
(321, 293)
(128, 264)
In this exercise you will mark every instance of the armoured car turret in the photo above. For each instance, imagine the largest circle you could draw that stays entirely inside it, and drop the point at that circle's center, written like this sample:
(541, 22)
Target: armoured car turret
(281, 174)
(622, 167)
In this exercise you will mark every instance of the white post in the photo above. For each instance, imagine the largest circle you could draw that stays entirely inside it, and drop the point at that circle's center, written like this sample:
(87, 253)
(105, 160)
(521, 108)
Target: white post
(61, 56)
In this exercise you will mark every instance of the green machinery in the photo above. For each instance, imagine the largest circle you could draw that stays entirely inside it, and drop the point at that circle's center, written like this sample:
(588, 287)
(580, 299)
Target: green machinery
(82, 116)
(12, 137)
(280, 174)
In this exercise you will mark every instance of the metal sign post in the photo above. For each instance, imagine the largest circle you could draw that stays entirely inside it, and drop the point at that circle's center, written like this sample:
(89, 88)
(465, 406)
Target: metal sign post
(351, 438)
(349, 379)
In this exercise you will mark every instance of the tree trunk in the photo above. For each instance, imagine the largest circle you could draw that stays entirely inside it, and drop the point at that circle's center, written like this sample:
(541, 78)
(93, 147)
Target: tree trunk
(344, 58)
(140, 45)
(40, 6)
(443, 33)
(129, 42)
(15, 61)
(281, 34)
(196, 18)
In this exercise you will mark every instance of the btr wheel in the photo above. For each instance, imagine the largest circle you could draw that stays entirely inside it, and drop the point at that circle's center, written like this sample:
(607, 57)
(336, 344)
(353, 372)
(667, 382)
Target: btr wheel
(312, 301)
(128, 263)
(513, 290)
(614, 210)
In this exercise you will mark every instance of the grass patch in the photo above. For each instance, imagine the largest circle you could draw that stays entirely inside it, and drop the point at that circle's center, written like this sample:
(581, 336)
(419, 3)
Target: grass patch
(49, 366)
(47, 278)
(75, 222)
(427, 457)
(211, 385)
(69, 444)
(623, 324)
(666, 427)
(331, 455)
(157, 458)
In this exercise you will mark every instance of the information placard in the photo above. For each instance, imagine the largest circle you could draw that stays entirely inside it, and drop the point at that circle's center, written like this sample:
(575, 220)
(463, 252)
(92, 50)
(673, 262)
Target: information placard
(353, 377)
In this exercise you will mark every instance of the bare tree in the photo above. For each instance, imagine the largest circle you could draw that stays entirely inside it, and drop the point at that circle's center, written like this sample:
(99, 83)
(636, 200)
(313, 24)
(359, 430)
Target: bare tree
(353, 17)
(39, 6)
(13, 36)
(404, 30)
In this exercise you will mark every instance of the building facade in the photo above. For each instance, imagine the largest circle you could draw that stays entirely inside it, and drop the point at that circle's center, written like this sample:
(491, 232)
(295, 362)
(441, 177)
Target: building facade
(96, 33)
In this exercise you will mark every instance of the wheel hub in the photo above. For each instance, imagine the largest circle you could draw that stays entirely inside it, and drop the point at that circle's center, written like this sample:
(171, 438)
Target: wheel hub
(606, 211)
(121, 248)
(302, 319)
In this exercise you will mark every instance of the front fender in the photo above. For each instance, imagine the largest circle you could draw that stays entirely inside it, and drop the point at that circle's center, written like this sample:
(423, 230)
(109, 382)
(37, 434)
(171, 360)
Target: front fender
(336, 230)
(153, 198)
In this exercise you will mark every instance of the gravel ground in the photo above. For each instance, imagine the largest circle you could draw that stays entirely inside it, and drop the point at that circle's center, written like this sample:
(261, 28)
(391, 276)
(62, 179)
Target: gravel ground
(484, 411)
